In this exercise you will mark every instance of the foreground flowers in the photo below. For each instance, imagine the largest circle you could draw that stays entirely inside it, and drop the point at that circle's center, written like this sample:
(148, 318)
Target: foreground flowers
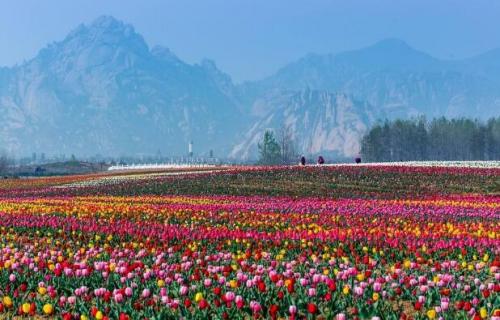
(106, 257)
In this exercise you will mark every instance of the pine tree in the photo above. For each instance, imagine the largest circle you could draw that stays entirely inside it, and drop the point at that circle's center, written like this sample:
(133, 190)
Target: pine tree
(269, 150)
(441, 139)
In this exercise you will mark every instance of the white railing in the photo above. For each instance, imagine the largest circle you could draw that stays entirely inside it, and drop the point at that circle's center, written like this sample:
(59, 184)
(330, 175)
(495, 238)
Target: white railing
(462, 164)
(160, 166)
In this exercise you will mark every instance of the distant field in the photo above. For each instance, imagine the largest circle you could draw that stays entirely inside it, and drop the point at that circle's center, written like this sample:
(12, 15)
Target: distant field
(346, 181)
(334, 242)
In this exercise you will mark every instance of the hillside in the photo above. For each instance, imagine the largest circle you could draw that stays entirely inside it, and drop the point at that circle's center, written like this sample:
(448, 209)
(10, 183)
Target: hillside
(104, 90)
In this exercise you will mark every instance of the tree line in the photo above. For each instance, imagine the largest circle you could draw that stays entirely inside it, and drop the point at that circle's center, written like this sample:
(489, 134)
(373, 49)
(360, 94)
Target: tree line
(439, 139)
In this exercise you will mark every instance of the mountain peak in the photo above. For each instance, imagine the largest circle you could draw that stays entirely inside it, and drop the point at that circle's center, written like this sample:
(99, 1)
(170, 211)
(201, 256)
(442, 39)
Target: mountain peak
(104, 39)
(394, 54)
(392, 43)
(106, 22)
(106, 27)
(399, 49)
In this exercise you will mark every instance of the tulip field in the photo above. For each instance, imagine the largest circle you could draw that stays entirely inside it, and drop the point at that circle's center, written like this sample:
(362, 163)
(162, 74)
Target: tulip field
(347, 242)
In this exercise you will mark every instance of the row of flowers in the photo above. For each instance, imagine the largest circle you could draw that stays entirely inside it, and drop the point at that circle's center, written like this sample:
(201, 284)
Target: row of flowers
(239, 257)
(358, 182)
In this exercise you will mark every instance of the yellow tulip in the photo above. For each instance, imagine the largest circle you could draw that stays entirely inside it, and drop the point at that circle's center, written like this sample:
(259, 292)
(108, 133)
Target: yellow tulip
(99, 315)
(431, 314)
(360, 277)
(407, 264)
(48, 309)
(233, 283)
(26, 307)
(198, 296)
(346, 290)
(483, 313)
(7, 301)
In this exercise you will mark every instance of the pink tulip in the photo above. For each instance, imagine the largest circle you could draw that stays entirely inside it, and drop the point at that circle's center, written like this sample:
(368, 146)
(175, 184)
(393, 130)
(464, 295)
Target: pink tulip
(183, 290)
(128, 291)
(118, 298)
(340, 316)
(229, 296)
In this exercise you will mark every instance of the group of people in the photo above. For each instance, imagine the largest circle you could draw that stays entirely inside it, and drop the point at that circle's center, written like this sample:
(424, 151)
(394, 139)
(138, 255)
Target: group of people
(321, 160)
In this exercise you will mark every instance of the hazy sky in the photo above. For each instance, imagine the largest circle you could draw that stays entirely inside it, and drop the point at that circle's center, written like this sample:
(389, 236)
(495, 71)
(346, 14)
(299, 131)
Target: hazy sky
(253, 38)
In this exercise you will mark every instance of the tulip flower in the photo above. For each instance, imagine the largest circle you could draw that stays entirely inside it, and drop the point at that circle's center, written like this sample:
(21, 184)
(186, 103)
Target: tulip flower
(416, 236)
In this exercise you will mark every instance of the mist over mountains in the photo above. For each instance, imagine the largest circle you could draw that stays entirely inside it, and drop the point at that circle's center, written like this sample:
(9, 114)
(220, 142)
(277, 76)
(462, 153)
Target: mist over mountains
(103, 90)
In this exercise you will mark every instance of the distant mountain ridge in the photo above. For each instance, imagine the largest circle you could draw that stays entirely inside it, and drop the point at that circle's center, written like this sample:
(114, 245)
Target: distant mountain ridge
(103, 90)
(392, 75)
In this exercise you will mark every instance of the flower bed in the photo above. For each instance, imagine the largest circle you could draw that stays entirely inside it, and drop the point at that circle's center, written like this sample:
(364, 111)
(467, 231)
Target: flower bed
(230, 256)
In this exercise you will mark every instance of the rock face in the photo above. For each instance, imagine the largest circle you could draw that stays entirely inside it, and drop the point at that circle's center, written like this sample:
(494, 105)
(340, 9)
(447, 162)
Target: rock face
(104, 90)
(400, 80)
(321, 122)
(389, 80)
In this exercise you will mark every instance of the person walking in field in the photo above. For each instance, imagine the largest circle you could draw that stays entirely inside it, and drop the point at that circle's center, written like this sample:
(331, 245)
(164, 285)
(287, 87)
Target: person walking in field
(302, 161)
(321, 160)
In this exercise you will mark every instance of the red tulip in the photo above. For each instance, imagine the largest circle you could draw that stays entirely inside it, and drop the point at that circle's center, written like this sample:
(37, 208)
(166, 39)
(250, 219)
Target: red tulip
(312, 308)
(486, 293)
(203, 304)
(217, 291)
(123, 316)
(262, 286)
(467, 306)
(273, 310)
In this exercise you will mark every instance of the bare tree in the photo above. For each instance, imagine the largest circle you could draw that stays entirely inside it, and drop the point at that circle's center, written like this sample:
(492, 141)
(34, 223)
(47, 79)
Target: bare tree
(287, 144)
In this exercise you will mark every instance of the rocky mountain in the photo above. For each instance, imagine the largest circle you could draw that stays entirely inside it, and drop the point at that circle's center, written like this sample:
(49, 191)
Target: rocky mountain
(399, 80)
(102, 89)
(391, 79)
(321, 122)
